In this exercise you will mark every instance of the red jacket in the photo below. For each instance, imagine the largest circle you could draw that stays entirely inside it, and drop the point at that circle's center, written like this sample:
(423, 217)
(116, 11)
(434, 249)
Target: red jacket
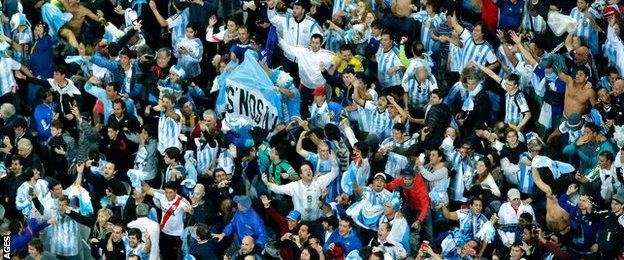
(417, 197)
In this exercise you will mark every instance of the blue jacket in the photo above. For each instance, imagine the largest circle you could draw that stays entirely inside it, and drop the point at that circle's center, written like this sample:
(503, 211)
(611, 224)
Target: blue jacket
(44, 114)
(247, 223)
(582, 228)
(41, 58)
(349, 243)
(20, 242)
(119, 74)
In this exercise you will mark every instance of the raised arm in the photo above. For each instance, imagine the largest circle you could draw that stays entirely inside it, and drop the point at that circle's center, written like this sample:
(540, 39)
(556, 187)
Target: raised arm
(303, 153)
(527, 55)
(450, 215)
(487, 71)
(161, 20)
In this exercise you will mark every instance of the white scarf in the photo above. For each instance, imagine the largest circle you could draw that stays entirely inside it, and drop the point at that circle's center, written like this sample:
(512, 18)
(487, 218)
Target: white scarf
(469, 101)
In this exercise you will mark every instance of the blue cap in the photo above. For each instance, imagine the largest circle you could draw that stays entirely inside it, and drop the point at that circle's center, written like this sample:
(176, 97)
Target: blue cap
(244, 200)
(294, 215)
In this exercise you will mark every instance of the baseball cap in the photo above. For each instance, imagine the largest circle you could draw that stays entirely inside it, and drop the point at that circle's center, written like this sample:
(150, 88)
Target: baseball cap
(380, 174)
(513, 194)
(294, 215)
(320, 90)
(574, 122)
(611, 10)
(244, 201)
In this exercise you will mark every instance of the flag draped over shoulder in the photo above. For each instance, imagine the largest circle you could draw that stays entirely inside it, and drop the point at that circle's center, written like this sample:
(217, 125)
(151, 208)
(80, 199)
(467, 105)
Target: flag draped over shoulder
(248, 91)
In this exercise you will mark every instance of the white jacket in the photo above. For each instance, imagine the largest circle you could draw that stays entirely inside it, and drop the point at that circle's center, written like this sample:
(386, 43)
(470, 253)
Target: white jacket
(294, 33)
(306, 198)
(308, 62)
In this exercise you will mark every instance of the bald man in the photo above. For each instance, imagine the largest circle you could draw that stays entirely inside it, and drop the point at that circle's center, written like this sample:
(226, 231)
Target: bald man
(247, 249)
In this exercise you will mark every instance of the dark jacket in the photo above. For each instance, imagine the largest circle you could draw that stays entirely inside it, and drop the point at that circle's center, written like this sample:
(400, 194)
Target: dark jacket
(438, 118)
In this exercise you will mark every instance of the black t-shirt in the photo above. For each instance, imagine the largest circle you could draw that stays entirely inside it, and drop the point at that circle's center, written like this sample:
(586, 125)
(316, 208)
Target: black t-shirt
(119, 249)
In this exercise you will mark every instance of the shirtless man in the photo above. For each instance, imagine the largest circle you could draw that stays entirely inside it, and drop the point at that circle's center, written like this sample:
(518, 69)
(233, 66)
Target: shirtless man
(556, 217)
(579, 93)
(74, 26)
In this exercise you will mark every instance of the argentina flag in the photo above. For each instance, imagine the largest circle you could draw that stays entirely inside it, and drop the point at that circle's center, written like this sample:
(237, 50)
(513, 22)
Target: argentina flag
(248, 92)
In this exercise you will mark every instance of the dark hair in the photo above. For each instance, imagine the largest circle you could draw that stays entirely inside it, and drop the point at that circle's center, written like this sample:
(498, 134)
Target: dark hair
(527, 216)
(484, 29)
(173, 153)
(193, 26)
(37, 244)
(150, 129)
(438, 92)
(29, 173)
(377, 23)
(389, 33)
(115, 85)
(202, 232)
(14, 226)
(136, 233)
(121, 103)
(440, 153)
(514, 77)
(317, 36)
(399, 127)
(20, 122)
(363, 147)
(608, 155)
(585, 71)
(18, 158)
(171, 186)
(314, 255)
(612, 70)
(346, 47)
(592, 127)
(472, 200)
(57, 124)
(53, 183)
(332, 132)
(42, 94)
(60, 69)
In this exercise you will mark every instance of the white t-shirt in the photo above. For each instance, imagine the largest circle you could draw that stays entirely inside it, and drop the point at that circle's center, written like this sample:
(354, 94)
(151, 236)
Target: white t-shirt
(507, 215)
(175, 224)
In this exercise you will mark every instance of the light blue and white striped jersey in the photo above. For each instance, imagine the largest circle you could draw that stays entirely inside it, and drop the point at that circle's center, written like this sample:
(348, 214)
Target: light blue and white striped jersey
(525, 176)
(454, 58)
(480, 53)
(538, 23)
(391, 142)
(395, 164)
(505, 61)
(515, 106)
(428, 22)
(463, 168)
(205, 155)
(168, 132)
(379, 122)
(418, 93)
(614, 50)
(177, 24)
(190, 61)
(385, 60)
(585, 29)
(342, 6)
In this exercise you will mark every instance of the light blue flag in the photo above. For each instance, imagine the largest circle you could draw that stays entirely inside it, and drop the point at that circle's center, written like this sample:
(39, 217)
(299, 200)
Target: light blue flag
(248, 91)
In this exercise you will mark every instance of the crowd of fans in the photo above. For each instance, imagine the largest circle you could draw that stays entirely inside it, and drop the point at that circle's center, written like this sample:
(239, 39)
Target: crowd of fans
(431, 129)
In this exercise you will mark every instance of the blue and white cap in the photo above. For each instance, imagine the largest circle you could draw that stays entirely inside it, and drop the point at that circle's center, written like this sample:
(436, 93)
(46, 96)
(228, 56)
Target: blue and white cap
(18, 19)
(177, 69)
(395, 201)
